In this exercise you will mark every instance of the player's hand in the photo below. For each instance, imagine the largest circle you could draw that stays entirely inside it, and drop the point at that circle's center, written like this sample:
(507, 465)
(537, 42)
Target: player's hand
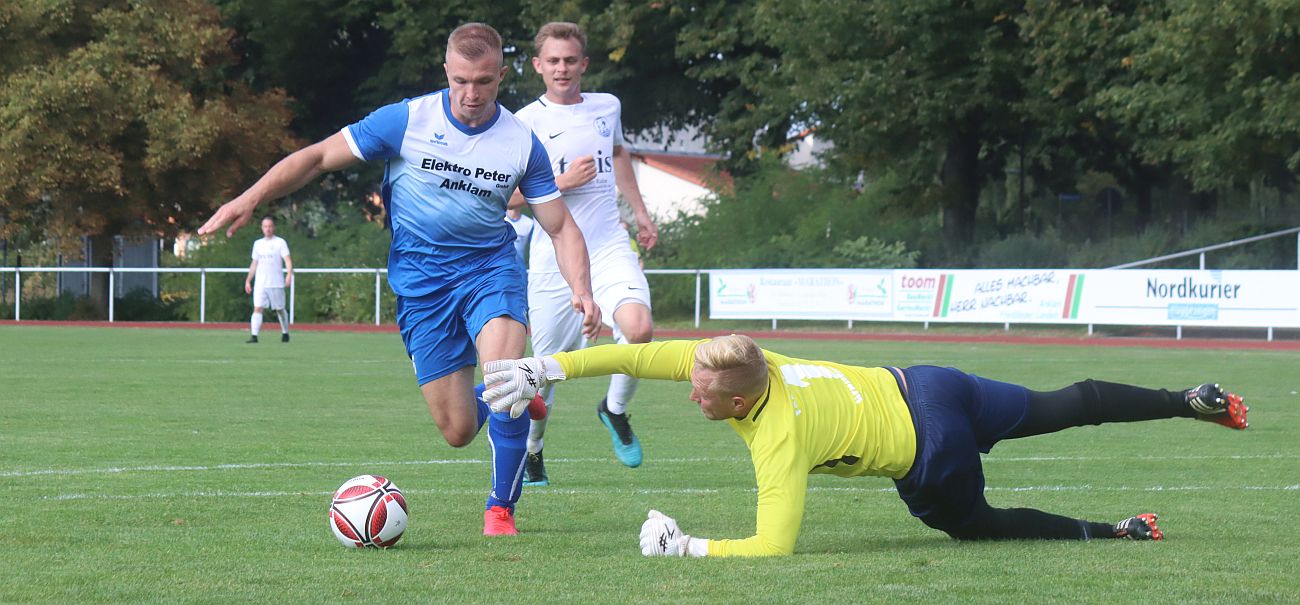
(512, 383)
(288, 280)
(235, 213)
(660, 536)
(590, 312)
(248, 287)
(577, 174)
(647, 234)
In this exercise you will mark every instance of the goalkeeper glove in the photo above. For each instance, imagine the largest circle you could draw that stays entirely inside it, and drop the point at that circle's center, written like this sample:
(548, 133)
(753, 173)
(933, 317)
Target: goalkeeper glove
(512, 383)
(660, 537)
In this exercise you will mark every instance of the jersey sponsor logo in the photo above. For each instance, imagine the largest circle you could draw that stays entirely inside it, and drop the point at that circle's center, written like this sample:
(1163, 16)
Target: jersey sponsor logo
(477, 172)
(602, 127)
(438, 139)
(467, 187)
(439, 165)
(604, 163)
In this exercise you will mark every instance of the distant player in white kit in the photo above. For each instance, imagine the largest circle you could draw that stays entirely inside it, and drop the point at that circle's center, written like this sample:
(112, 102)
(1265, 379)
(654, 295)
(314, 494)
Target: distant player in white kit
(269, 274)
(583, 135)
(523, 226)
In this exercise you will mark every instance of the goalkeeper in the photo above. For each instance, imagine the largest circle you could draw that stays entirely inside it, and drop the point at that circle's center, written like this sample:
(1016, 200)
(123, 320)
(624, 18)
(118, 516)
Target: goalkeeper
(922, 426)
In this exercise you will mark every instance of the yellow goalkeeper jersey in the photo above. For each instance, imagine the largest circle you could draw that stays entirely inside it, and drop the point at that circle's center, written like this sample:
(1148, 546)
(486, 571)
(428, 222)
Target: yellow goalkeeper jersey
(817, 417)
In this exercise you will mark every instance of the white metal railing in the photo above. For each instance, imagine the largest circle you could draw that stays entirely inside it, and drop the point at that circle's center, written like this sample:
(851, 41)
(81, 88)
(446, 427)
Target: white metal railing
(203, 282)
(1203, 250)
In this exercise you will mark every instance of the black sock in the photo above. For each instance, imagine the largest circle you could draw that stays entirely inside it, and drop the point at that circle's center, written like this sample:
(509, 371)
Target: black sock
(1095, 402)
(988, 523)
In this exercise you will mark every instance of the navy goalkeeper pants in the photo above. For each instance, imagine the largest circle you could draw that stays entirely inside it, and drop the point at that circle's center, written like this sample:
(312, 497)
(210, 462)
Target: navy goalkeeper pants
(958, 416)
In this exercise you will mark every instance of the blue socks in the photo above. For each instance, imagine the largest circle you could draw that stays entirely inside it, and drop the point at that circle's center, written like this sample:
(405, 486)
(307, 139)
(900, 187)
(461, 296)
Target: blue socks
(508, 441)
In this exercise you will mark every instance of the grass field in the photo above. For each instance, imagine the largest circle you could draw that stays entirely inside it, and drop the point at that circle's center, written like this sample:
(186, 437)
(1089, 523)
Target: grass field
(146, 465)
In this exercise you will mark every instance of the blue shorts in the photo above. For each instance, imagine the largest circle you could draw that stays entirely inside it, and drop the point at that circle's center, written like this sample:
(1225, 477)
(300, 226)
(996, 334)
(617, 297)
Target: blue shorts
(439, 328)
(957, 417)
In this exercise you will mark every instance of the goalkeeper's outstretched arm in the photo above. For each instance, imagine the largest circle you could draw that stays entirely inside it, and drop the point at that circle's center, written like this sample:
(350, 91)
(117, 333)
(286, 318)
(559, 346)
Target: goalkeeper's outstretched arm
(511, 383)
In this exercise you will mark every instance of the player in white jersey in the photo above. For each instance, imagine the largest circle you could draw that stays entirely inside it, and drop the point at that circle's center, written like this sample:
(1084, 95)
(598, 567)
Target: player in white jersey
(523, 226)
(269, 274)
(583, 136)
(454, 158)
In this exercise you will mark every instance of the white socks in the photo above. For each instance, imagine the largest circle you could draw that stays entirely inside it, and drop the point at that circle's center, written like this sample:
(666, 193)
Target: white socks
(621, 389)
(256, 323)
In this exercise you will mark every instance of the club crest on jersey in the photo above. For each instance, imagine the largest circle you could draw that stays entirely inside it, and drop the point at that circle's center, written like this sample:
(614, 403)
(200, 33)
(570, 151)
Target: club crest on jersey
(602, 126)
(438, 139)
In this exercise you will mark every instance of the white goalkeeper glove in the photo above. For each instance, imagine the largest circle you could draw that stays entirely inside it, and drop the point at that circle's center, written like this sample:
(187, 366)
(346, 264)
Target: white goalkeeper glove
(512, 383)
(660, 537)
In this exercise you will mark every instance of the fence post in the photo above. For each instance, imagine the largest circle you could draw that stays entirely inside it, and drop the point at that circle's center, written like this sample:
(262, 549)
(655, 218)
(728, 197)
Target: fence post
(110, 295)
(697, 298)
(18, 294)
(1202, 261)
(376, 297)
(293, 288)
(203, 295)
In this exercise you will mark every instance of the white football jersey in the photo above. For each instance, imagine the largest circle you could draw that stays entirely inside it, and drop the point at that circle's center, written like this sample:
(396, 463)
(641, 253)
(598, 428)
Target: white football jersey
(269, 254)
(593, 127)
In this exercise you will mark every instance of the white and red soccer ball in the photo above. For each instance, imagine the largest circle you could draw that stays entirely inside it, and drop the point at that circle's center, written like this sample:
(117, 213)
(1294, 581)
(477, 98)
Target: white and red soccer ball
(368, 512)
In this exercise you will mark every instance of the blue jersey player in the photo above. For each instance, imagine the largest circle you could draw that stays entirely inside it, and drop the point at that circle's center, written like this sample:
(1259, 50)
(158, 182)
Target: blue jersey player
(454, 158)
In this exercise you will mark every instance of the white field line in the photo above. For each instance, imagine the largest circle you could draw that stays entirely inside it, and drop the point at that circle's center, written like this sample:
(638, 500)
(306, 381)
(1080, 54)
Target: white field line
(381, 464)
(670, 491)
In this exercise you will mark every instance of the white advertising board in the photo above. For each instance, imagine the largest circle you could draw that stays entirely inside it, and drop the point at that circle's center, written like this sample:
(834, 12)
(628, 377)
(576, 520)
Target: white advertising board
(1058, 296)
(985, 295)
(1192, 298)
(801, 294)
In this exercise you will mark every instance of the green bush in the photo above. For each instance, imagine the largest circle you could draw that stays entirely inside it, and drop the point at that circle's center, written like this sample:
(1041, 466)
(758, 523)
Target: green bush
(64, 307)
(780, 218)
(1024, 250)
(142, 305)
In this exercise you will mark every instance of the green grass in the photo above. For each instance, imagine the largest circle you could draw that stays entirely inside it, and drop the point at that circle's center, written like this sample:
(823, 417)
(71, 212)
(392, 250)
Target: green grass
(113, 489)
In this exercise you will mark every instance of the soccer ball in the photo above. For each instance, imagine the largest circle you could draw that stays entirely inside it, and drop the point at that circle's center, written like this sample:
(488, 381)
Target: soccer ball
(368, 512)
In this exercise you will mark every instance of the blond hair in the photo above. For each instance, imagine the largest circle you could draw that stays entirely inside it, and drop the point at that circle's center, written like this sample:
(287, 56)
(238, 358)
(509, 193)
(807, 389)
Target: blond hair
(474, 41)
(739, 363)
(560, 30)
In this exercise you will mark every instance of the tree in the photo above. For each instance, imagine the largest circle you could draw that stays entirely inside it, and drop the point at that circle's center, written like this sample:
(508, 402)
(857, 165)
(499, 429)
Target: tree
(924, 89)
(1214, 91)
(117, 118)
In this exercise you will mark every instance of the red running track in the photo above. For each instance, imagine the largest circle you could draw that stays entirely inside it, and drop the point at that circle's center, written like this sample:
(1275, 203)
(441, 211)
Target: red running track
(1082, 341)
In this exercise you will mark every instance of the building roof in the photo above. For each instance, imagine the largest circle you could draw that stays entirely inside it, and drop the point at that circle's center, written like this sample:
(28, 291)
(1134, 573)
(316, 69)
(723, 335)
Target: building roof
(697, 168)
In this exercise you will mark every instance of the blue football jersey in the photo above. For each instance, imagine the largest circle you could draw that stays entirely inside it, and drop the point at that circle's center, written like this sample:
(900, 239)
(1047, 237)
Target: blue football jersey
(446, 187)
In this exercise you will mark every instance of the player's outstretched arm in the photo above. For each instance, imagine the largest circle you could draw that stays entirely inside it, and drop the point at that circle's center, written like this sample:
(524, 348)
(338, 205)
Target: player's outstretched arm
(512, 381)
(287, 176)
(571, 254)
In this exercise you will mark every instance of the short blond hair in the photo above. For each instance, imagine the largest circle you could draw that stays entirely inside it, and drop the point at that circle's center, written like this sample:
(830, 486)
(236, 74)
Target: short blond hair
(474, 41)
(739, 363)
(560, 30)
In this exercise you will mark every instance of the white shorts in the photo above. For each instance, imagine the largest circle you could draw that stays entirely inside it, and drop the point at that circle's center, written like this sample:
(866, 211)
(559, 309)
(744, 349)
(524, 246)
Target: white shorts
(616, 279)
(268, 298)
